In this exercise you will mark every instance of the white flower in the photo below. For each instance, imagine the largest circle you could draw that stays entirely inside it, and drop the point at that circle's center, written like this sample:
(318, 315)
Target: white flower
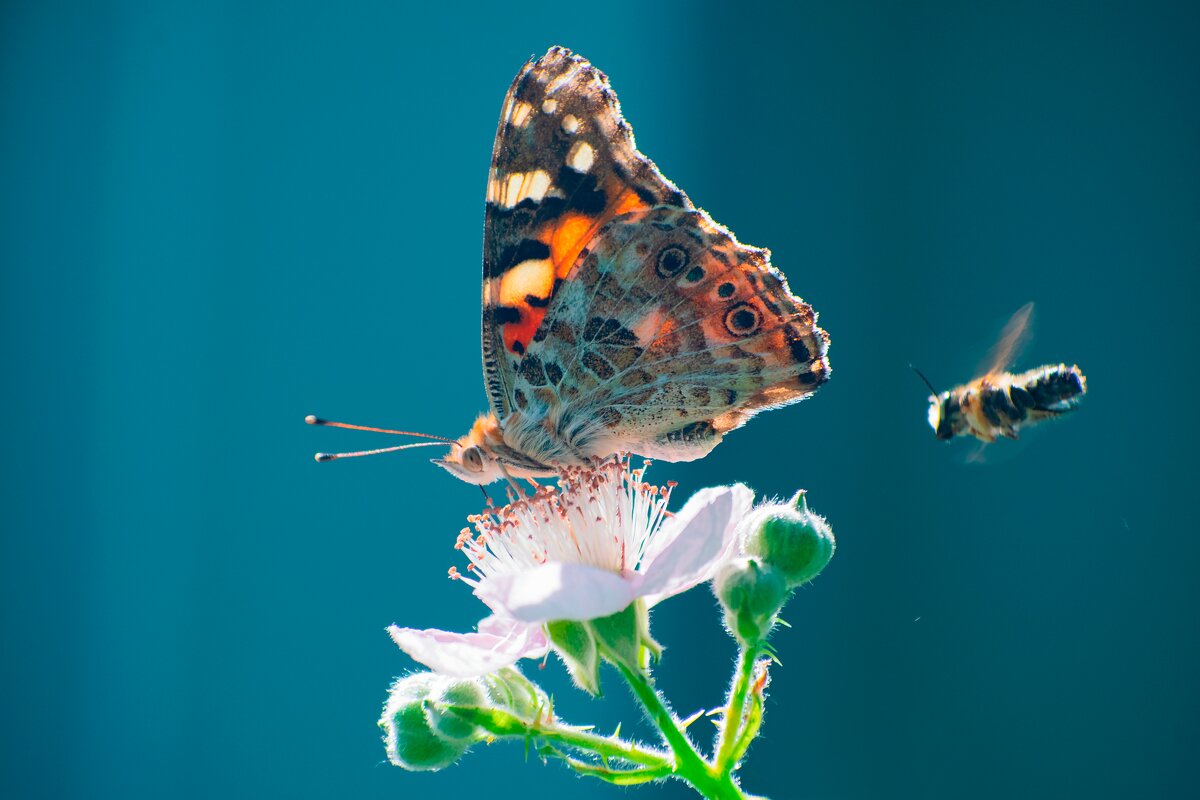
(498, 644)
(585, 550)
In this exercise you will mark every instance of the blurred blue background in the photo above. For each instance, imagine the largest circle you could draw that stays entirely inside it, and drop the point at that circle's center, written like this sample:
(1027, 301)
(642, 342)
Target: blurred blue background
(217, 218)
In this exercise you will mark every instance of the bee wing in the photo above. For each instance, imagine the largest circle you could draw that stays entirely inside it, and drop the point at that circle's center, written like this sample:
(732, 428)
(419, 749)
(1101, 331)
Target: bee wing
(978, 453)
(1012, 339)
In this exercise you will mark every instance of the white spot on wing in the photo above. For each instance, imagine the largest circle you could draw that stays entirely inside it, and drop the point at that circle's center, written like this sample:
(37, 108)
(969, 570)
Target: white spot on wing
(519, 186)
(570, 124)
(534, 276)
(581, 157)
(538, 184)
(550, 106)
(520, 114)
(512, 189)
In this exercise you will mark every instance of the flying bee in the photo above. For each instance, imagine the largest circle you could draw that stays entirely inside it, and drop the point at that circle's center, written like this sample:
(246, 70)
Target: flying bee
(999, 403)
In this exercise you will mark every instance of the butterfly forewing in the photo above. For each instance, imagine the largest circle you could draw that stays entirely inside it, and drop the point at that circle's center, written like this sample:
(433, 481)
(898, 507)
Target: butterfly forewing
(563, 165)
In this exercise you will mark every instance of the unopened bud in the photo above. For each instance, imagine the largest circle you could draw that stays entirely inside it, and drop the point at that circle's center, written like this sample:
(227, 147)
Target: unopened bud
(751, 594)
(441, 704)
(413, 740)
(511, 691)
(789, 538)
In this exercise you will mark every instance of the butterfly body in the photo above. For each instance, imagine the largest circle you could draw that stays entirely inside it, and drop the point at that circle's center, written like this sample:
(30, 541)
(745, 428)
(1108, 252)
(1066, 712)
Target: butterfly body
(617, 317)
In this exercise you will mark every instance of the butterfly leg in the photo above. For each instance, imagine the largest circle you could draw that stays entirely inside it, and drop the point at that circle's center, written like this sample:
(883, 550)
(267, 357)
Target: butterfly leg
(516, 487)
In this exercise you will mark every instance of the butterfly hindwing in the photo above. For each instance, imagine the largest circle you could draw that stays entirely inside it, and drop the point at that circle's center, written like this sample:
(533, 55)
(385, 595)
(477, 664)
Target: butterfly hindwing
(666, 334)
(564, 164)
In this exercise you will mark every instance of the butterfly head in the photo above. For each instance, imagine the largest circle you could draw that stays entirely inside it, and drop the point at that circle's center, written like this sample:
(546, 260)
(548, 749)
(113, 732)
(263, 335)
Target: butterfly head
(472, 458)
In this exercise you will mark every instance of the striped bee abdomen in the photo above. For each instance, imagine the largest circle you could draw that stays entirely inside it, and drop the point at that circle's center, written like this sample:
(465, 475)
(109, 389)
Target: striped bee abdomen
(1055, 389)
(999, 404)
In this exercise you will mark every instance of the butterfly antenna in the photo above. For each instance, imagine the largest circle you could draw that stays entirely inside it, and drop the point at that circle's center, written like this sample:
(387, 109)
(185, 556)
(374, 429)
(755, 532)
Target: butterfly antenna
(920, 374)
(315, 420)
(336, 456)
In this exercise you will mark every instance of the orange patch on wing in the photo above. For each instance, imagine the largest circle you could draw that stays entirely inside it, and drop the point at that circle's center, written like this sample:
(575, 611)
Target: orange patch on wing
(628, 201)
(566, 237)
(573, 231)
(523, 330)
(570, 235)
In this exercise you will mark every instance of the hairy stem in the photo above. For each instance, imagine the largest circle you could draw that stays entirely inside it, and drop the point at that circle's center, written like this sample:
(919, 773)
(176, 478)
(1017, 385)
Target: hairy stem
(735, 710)
(501, 724)
(690, 766)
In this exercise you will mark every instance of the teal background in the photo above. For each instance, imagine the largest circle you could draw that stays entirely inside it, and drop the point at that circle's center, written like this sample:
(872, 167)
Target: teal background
(216, 218)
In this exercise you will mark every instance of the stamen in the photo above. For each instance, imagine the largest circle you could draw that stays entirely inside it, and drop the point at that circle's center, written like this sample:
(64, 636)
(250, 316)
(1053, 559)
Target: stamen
(603, 515)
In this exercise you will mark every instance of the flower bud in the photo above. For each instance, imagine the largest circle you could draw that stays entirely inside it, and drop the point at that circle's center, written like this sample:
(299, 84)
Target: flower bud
(412, 738)
(440, 709)
(511, 691)
(751, 594)
(790, 539)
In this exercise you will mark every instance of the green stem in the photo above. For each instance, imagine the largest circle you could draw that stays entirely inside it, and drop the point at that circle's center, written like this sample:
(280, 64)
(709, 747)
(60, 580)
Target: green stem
(735, 710)
(502, 724)
(604, 746)
(749, 732)
(618, 777)
(689, 764)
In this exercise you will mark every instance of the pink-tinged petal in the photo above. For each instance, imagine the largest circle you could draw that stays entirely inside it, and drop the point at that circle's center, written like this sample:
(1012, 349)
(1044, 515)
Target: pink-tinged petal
(556, 591)
(499, 643)
(701, 537)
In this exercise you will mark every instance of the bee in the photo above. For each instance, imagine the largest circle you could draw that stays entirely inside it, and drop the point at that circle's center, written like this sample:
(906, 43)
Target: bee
(999, 403)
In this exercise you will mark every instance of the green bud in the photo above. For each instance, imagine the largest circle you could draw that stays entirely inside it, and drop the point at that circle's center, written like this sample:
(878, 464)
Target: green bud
(624, 637)
(575, 644)
(411, 739)
(789, 538)
(440, 709)
(511, 691)
(751, 594)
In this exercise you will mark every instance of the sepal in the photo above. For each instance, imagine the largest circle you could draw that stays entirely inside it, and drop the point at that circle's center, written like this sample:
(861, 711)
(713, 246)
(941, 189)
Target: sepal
(575, 643)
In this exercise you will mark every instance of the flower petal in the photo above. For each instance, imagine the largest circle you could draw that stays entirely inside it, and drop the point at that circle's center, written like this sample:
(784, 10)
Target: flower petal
(499, 643)
(700, 537)
(556, 591)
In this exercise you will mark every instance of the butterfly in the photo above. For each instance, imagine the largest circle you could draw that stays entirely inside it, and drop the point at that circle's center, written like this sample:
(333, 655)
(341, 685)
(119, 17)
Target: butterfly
(616, 316)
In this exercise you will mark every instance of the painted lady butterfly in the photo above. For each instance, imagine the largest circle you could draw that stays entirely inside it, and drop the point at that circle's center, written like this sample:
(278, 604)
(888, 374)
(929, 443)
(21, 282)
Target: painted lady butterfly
(617, 316)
